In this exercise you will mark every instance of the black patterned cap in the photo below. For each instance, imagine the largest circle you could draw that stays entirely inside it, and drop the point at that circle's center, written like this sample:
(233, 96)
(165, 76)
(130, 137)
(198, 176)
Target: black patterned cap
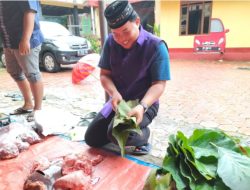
(118, 13)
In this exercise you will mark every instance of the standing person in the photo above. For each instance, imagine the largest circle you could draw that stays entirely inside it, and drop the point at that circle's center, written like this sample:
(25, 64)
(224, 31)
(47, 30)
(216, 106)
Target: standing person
(22, 38)
(134, 65)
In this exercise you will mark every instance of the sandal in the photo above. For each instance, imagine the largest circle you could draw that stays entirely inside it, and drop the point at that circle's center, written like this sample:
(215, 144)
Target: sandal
(86, 120)
(90, 115)
(31, 117)
(139, 150)
(18, 98)
(13, 95)
(19, 111)
(83, 122)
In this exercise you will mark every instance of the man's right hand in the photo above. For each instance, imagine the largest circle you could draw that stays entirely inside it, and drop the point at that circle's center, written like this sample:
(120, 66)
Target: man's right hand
(115, 100)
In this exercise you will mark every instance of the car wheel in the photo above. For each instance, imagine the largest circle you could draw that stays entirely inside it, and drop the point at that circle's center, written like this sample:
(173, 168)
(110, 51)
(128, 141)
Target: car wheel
(49, 63)
(3, 59)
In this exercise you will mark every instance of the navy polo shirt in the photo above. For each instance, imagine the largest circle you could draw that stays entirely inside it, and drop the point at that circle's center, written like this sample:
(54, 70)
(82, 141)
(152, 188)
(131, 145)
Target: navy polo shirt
(11, 23)
(133, 70)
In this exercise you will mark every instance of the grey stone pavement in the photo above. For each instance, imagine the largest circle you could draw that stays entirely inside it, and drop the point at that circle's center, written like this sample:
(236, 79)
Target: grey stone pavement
(201, 94)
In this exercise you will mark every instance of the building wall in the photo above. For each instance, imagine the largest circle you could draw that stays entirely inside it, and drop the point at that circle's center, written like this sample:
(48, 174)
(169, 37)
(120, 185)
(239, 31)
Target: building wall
(169, 23)
(234, 15)
(97, 22)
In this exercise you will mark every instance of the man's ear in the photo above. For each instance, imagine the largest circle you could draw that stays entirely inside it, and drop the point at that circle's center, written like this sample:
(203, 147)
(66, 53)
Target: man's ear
(138, 21)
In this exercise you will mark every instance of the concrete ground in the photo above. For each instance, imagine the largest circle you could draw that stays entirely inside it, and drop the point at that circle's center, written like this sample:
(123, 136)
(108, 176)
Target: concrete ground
(201, 94)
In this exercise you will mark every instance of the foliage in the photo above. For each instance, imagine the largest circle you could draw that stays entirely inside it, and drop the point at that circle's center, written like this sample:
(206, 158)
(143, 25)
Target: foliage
(209, 160)
(123, 124)
(156, 29)
(163, 180)
(236, 164)
(95, 43)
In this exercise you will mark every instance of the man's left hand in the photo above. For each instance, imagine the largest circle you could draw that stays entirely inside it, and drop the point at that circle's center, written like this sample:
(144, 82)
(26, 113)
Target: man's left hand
(138, 112)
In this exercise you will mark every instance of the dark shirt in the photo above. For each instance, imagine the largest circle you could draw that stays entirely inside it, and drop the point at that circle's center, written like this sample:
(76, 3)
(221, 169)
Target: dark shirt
(133, 70)
(11, 23)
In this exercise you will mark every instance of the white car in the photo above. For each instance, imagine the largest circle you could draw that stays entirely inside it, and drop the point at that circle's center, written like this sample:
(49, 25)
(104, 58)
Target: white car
(2, 57)
(60, 47)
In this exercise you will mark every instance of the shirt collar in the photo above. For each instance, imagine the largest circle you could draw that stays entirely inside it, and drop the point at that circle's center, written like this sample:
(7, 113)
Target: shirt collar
(141, 37)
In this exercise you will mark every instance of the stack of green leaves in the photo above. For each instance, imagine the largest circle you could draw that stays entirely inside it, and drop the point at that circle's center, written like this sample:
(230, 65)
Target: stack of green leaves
(123, 124)
(207, 160)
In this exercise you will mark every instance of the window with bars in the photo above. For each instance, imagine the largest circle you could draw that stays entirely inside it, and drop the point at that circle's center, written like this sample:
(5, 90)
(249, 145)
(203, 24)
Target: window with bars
(195, 17)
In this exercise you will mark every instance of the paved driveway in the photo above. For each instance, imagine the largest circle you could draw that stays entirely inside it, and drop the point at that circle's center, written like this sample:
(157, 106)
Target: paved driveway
(201, 94)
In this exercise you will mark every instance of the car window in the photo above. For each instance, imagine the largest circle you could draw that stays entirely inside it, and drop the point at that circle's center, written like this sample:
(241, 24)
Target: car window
(216, 26)
(50, 29)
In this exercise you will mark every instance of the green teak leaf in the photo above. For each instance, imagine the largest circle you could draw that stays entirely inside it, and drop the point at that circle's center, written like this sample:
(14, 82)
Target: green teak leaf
(245, 150)
(200, 186)
(185, 170)
(207, 170)
(197, 169)
(172, 148)
(201, 141)
(158, 180)
(234, 169)
(123, 124)
(150, 183)
(169, 164)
